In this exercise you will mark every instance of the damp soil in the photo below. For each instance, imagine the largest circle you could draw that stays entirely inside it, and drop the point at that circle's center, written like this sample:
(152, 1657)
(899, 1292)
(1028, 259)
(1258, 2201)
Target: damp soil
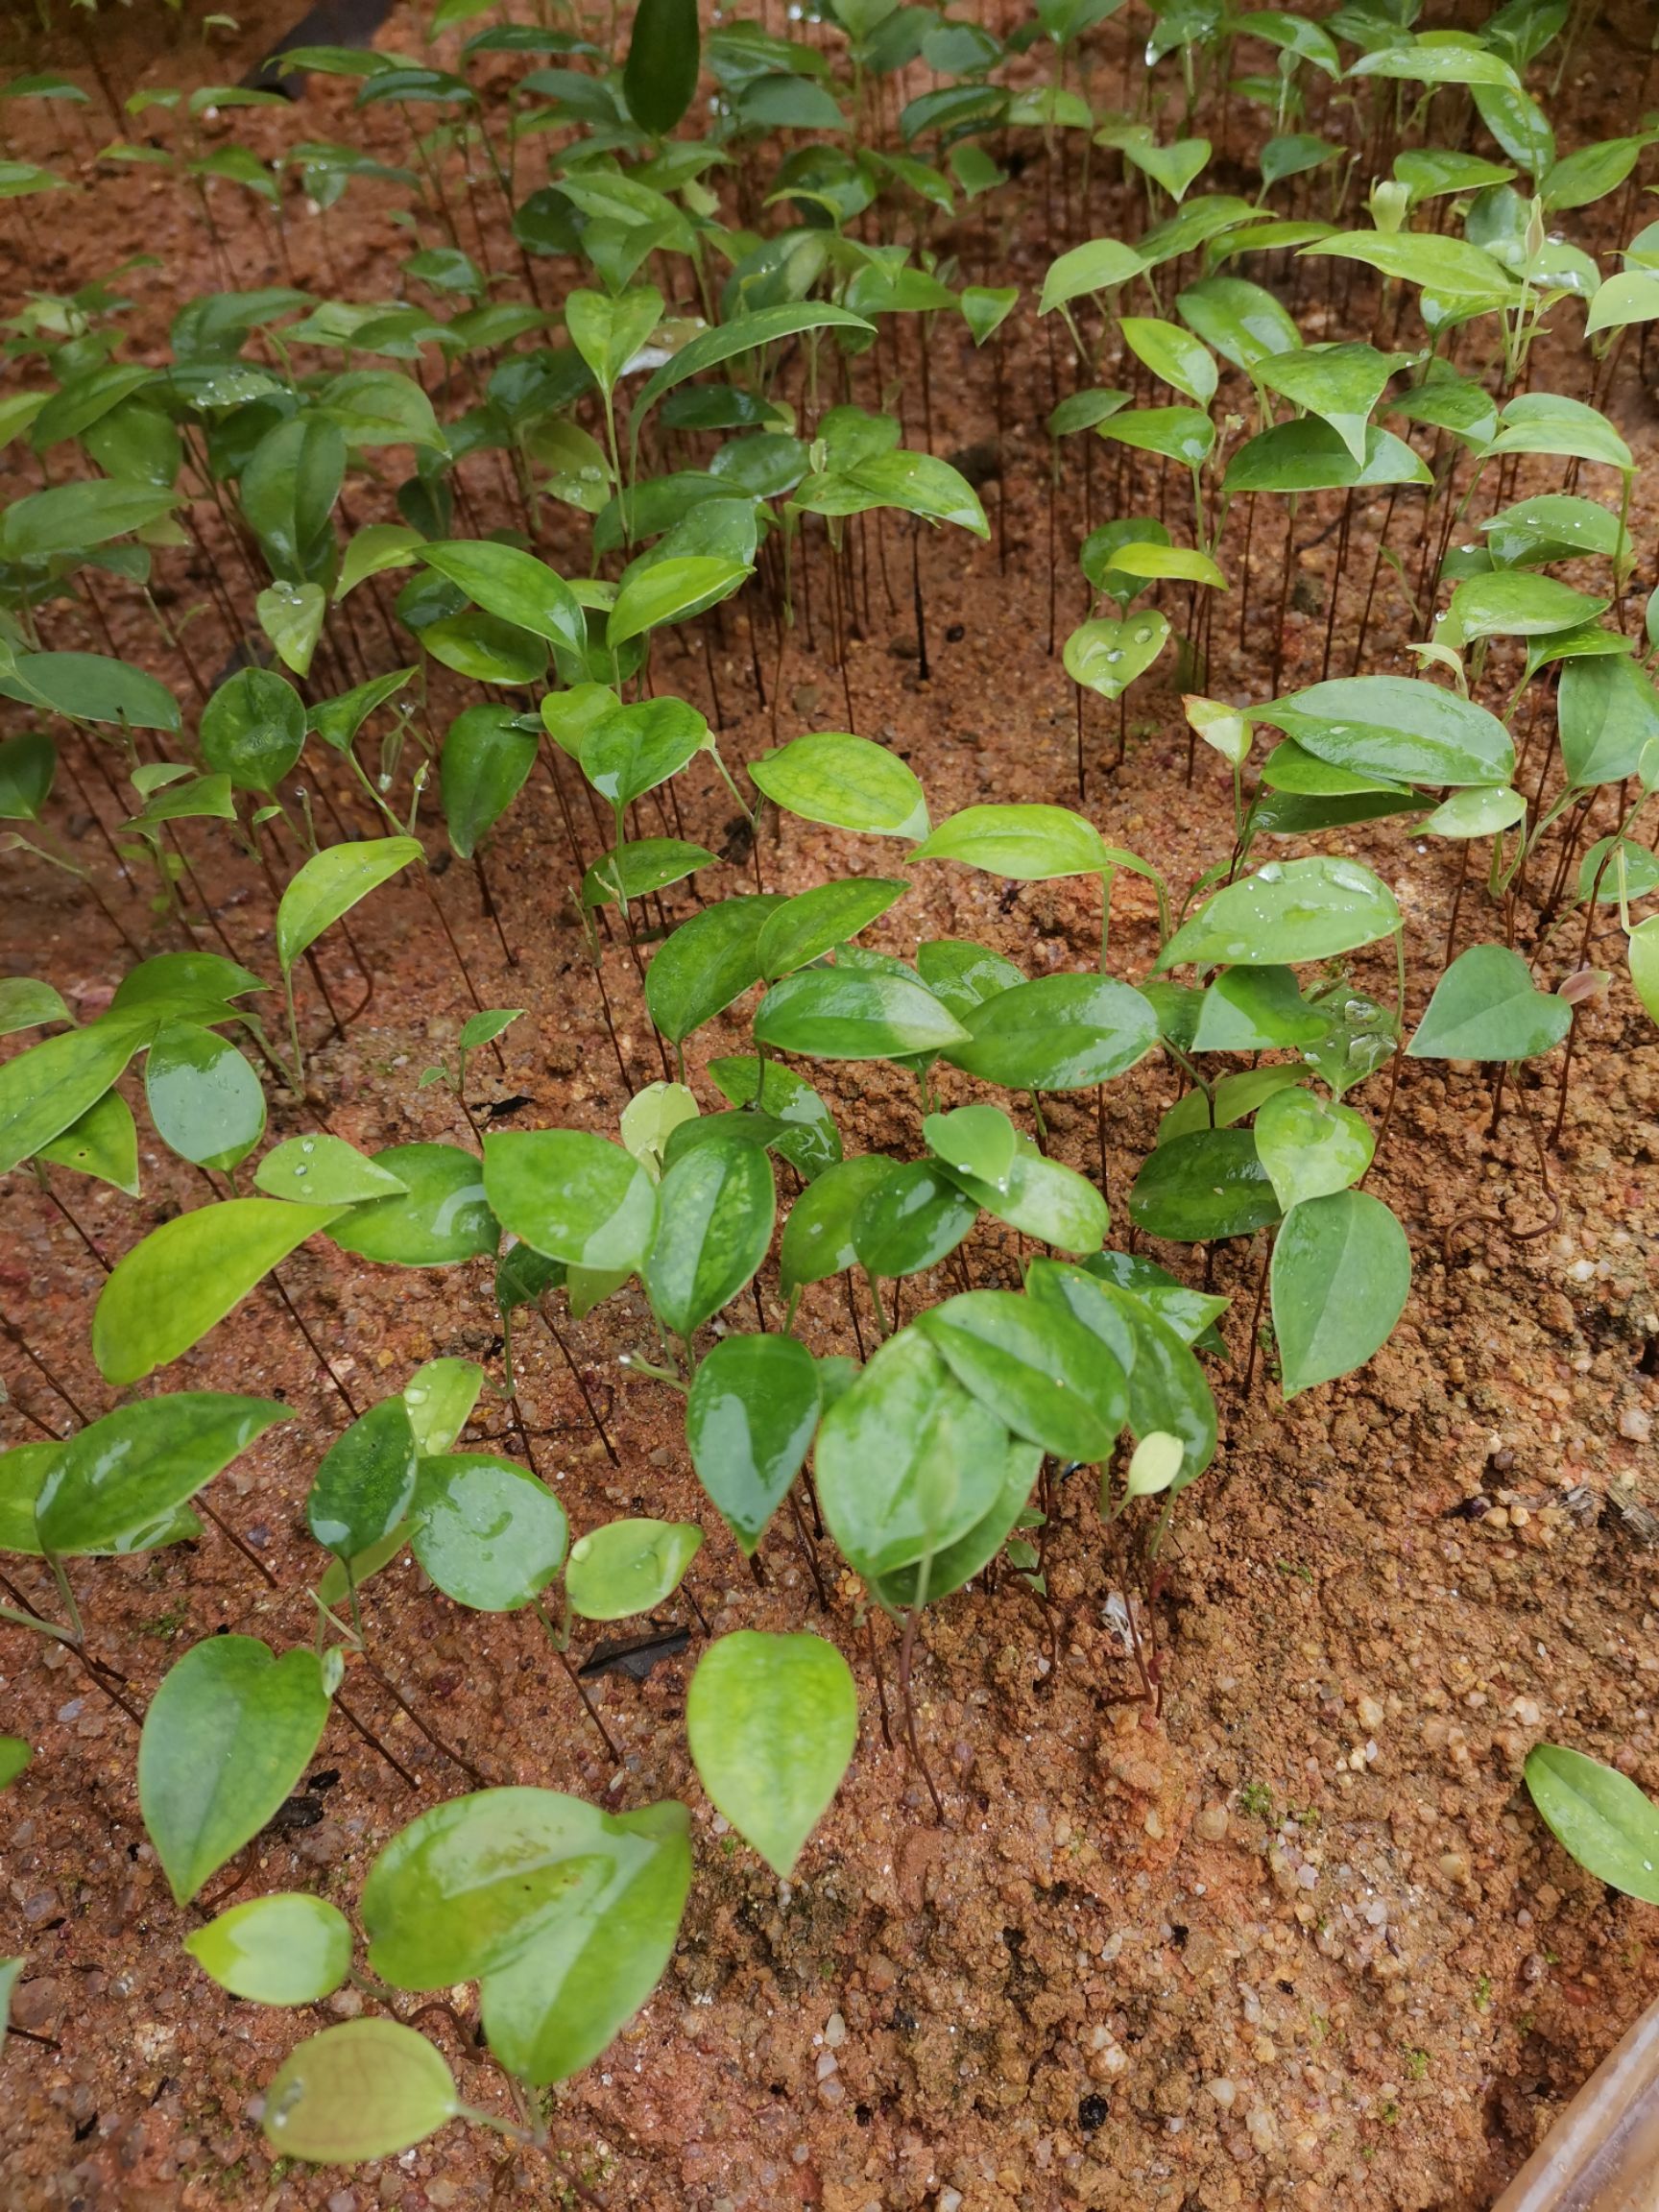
(1288, 1935)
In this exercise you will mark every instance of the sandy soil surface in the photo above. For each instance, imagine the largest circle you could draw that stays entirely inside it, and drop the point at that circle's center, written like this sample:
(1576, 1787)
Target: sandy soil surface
(1297, 1940)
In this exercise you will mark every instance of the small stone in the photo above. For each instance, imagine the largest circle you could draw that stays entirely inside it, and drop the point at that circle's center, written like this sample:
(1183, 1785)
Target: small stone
(1222, 2091)
(834, 2030)
(1154, 1825)
(1371, 1714)
(38, 2003)
(1263, 2128)
(1635, 1423)
(1212, 1824)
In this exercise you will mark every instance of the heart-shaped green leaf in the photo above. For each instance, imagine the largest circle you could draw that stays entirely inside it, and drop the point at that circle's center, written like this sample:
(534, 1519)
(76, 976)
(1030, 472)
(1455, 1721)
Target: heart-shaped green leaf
(1026, 843)
(1340, 1276)
(748, 1421)
(1487, 1007)
(805, 929)
(365, 1481)
(173, 1287)
(773, 1722)
(1043, 1374)
(849, 783)
(1310, 1146)
(908, 1461)
(1208, 1184)
(709, 961)
(441, 1218)
(555, 2007)
(117, 1487)
(572, 1195)
(324, 1172)
(331, 883)
(365, 2089)
(207, 1102)
(226, 1736)
(1289, 911)
(1106, 655)
(851, 1014)
(1598, 1816)
(288, 1949)
(490, 1535)
(1057, 1033)
(626, 1566)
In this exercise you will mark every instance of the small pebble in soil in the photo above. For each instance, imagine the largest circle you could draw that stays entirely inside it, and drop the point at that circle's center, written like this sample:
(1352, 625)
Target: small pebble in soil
(1092, 2111)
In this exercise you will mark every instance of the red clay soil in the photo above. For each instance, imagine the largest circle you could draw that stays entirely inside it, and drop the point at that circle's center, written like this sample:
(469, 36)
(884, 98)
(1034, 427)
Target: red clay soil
(1300, 1939)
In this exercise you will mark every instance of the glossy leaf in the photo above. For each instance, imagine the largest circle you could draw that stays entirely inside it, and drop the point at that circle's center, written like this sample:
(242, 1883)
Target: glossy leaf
(555, 2007)
(1288, 912)
(47, 1088)
(441, 1216)
(977, 1141)
(1105, 655)
(287, 1949)
(1448, 267)
(92, 687)
(365, 1481)
(1598, 1816)
(488, 1533)
(1026, 843)
(572, 1195)
(1340, 1276)
(1167, 1391)
(323, 1171)
(908, 1461)
(626, 1566)
(818, 1236)
(252, 728)
(672, 589)
(1255, 1010)
(166, 1293)
(1207, 1185)
(331, 883)
(466, 1888)
(1607, 712)
(807, 926)
(1043, 1198)
(715, 1211)
(913, 1217)
(749, 1420)
(102, 1143)
(1057, 1033)
(204, 1098)
(117, 1486)
(1038, 1370)
(1310, 1146)
(660, 78)
(772, 1723)
(808, 1138)
(853, 1014)
(487, 756)
(632, 749)
(226, 1738)
(707, 963)
(514, 585)
(849, 783)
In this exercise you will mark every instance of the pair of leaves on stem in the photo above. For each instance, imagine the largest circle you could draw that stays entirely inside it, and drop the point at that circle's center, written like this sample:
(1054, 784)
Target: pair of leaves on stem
(564, 1914)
